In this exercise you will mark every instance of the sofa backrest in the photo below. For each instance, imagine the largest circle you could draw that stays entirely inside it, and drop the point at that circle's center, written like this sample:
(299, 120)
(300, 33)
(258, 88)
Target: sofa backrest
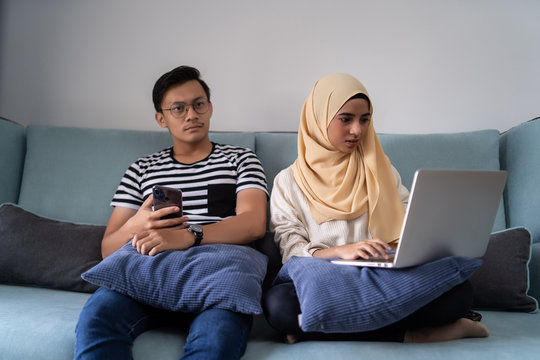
(471, 150)
(71, 174)
(277, 151)
(80, 168)
(520, 155)
(468, 150)
(12, 152)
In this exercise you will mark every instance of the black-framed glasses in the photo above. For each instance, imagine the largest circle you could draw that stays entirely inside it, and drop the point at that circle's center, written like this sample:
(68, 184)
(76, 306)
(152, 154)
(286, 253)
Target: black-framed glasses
(179, 110)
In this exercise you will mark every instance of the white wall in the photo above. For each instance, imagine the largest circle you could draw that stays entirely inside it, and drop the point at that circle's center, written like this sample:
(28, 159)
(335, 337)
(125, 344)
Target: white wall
(429, 65)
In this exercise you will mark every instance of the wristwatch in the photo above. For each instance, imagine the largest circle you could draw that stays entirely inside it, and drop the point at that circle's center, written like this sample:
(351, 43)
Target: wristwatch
(197, 231)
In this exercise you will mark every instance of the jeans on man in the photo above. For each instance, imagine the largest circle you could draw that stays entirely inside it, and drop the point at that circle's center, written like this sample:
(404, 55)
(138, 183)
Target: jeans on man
(110, 322)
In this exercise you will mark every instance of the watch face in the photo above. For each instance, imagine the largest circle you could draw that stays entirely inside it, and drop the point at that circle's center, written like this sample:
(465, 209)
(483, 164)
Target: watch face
(195, 228)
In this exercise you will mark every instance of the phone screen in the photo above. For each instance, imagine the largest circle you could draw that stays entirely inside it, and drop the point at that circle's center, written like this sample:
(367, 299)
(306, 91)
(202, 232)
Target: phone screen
(165, 197)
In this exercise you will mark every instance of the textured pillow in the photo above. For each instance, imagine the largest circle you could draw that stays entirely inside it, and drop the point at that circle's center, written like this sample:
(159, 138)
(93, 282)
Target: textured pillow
(47, 253)
(338, 298)
(199, 278)
(502, 282)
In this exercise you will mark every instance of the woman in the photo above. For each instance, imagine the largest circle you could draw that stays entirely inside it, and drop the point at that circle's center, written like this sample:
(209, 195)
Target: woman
(343, 198)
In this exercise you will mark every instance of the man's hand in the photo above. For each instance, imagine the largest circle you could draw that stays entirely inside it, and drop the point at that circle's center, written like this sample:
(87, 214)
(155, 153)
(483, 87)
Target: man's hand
(152, 242)
(155, 234)
(146, 219)
(125, 223)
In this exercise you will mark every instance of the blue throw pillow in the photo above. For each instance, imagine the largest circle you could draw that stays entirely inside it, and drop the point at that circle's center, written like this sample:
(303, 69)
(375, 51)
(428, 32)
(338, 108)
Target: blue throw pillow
(337, 298)
(199, 278)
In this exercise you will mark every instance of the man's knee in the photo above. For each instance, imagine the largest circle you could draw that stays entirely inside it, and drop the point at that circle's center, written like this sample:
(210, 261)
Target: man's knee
(218, 334)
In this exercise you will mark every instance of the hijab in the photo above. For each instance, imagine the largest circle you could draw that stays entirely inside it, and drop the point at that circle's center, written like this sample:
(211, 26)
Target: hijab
(342, 186)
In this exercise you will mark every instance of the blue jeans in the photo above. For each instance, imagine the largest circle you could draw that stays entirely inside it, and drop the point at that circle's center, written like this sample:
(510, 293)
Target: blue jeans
(109, 323)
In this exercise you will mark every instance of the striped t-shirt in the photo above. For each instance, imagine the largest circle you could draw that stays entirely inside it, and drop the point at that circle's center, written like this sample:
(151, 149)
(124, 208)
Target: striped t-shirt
(209, 186)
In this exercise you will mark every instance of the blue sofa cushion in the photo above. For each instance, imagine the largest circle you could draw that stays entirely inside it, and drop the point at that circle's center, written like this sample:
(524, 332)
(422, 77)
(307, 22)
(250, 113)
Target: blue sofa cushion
(337, 298)
(502, 282)
(82, 166)
(47, 253)
(519, 156)
(477, 150)
(210, 276)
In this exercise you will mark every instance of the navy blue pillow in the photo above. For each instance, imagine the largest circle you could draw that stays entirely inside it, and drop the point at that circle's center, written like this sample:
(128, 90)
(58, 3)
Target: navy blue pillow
(338, 298)
(199, 278)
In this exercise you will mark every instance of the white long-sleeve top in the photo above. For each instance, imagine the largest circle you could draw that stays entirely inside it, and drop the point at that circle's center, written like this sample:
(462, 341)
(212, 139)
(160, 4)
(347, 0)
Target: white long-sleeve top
(297, 233)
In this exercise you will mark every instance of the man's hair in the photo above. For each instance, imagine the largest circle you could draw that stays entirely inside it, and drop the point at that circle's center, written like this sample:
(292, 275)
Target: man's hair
(177, 76)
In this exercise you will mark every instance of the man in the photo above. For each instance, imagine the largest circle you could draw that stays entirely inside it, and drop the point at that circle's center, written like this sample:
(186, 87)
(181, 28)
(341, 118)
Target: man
(224, 201)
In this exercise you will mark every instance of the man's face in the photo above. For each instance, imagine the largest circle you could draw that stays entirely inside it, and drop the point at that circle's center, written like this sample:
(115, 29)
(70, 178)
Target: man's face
(191, 127)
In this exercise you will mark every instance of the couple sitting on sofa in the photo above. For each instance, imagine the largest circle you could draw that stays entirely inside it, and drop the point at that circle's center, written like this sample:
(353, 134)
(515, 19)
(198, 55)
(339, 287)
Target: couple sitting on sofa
(341, 188)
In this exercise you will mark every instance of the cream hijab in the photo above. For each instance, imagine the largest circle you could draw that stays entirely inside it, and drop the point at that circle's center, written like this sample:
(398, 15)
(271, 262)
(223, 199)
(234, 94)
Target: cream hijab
(340, 186)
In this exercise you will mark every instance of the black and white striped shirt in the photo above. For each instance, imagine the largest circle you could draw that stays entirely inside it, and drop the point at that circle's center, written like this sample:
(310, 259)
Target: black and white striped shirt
(209, 186)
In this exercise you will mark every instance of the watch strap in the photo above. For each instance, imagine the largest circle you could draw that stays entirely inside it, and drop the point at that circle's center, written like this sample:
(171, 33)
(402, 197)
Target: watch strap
(198, 235)
(198, 238)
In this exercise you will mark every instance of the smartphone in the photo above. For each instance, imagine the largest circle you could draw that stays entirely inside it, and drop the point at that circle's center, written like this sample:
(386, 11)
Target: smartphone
(165, 197)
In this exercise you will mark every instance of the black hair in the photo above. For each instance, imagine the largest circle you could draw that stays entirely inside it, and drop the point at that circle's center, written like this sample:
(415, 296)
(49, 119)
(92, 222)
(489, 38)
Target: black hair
(177, 76)
(361, 96)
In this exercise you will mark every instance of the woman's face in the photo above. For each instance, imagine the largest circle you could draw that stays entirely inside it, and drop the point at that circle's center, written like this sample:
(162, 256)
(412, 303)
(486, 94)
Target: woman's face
(349, 125)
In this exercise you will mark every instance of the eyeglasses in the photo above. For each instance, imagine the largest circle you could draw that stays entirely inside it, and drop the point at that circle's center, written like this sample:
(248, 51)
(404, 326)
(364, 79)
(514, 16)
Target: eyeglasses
(179, 110)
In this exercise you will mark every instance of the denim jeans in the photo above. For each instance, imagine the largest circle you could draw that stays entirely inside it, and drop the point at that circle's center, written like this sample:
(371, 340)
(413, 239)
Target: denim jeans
(109, 323)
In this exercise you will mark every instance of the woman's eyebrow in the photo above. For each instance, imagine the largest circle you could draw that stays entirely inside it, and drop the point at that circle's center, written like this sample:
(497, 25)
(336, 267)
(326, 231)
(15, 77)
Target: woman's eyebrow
(346, 114)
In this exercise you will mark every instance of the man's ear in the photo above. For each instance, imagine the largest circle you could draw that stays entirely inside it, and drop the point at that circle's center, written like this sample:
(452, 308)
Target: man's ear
(211, 109)
(160, 119)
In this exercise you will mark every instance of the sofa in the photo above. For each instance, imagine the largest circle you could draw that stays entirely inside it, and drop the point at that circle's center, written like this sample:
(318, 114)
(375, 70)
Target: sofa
(64, 178)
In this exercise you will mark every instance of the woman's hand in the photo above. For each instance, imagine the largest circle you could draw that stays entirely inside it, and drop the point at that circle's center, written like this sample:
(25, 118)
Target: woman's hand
(362, 249)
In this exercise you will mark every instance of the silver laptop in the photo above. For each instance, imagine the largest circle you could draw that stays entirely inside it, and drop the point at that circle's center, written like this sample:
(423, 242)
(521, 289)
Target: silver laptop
(450, 213)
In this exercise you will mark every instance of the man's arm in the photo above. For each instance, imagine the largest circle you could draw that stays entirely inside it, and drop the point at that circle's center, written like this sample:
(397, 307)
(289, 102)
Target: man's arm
(125, 223)
(247, 225)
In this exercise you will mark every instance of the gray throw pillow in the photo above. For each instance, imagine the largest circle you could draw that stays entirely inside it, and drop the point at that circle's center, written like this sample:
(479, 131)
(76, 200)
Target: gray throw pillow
(502, 282)
(46, 253)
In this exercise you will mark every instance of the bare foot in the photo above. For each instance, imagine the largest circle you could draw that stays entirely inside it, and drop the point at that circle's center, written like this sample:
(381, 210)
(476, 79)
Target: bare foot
(291, 339)
(461, 328)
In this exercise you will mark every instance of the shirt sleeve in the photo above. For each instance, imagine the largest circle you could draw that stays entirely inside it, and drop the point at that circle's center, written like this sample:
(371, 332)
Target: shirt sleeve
(286, 221)
(250, 172)
(129, 193)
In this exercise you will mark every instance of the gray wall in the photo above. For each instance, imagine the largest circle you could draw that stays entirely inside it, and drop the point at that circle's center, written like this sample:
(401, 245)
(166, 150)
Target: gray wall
(429, 65)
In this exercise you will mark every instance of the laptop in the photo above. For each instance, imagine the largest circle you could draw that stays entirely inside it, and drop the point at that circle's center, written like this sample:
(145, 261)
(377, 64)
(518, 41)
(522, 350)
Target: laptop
(450, 213)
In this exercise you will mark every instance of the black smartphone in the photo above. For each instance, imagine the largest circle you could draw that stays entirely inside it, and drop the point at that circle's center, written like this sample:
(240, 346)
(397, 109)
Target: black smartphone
(165, 197)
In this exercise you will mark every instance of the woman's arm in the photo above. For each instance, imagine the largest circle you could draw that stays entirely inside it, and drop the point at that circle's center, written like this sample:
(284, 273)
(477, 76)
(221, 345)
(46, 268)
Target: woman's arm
(368, 247)
(286, 218)
(362, 249)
